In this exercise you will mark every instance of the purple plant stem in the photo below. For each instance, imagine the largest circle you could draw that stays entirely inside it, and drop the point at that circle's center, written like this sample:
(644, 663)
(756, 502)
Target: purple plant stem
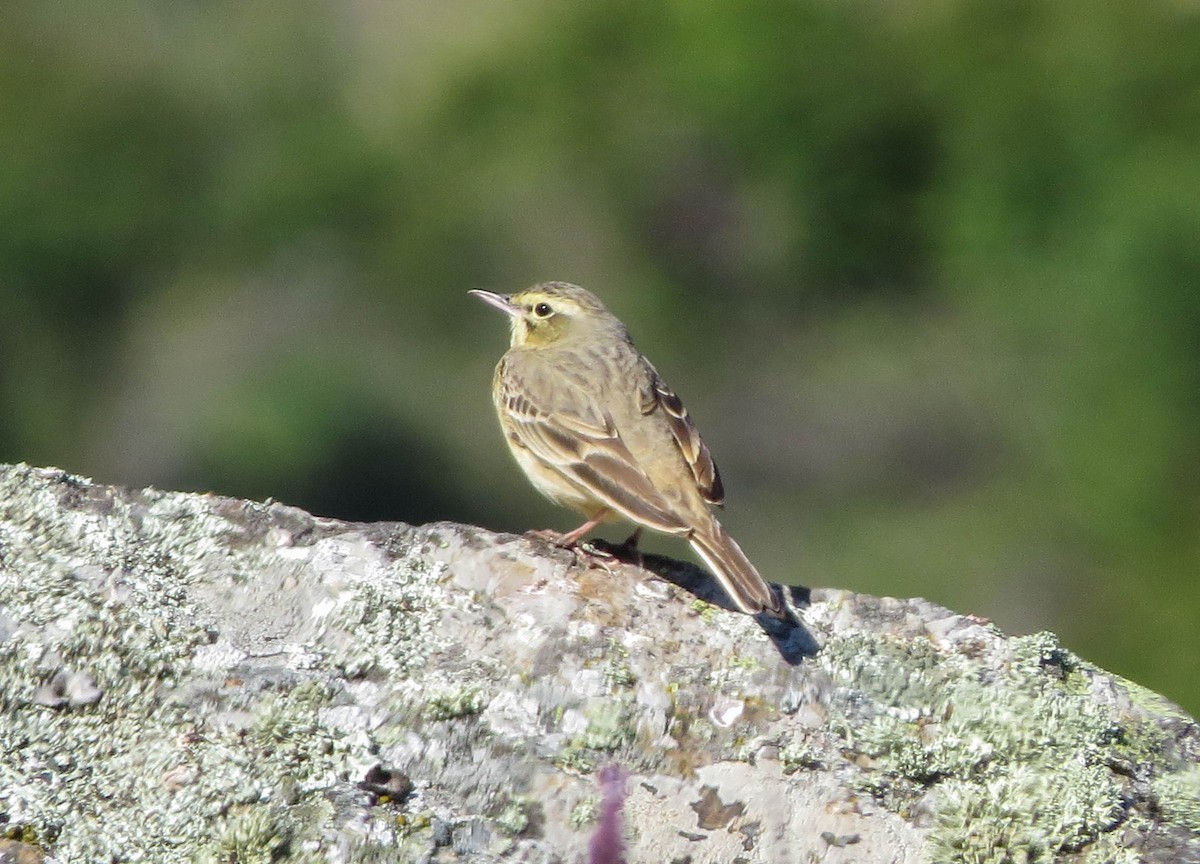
(607, 845)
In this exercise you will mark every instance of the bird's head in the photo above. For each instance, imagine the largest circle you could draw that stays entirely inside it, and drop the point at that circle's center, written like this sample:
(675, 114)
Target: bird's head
(550, 313)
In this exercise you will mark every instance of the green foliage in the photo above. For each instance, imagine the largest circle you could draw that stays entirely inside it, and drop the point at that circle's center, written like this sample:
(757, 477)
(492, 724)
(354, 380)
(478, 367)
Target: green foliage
(926, 275)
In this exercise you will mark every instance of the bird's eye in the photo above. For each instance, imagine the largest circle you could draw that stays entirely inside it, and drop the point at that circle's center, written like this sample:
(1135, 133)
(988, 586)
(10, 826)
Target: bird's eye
(542, 310)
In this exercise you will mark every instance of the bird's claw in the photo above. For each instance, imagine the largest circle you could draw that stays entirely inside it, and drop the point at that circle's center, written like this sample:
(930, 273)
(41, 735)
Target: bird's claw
(586, 553)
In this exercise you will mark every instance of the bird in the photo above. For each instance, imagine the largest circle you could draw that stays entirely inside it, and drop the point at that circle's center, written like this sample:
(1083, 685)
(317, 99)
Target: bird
(596, 429)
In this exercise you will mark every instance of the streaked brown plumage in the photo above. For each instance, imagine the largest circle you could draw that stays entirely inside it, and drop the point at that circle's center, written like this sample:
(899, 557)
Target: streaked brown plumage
(596, 429)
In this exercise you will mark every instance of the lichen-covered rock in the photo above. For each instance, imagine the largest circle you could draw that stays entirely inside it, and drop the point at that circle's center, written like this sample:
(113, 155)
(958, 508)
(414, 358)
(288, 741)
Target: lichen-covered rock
(192, 678)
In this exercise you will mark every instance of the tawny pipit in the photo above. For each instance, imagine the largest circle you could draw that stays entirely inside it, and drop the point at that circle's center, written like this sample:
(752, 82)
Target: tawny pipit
(596, 429)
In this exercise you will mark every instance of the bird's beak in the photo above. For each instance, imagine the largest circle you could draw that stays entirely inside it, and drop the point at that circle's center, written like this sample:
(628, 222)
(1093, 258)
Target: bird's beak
(503, 302)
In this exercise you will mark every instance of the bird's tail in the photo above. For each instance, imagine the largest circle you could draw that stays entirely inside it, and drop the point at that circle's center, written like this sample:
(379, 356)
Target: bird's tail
(738, 577)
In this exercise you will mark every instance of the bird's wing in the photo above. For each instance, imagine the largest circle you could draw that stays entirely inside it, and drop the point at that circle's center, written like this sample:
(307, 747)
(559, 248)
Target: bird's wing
(657, 396)
(577, 438)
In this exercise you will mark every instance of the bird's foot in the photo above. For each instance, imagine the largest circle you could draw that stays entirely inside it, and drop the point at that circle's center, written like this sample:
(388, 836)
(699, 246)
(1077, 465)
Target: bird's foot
(568, 540)
(626, 552)
(586, 554)
(589, 555)
(549, 535)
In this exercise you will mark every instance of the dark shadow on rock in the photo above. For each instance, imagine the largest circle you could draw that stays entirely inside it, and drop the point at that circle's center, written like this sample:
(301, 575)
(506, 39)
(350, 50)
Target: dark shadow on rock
(789, 635)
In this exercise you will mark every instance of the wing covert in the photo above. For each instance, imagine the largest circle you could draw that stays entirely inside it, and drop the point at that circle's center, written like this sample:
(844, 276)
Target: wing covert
(660, 396)
(579, 440)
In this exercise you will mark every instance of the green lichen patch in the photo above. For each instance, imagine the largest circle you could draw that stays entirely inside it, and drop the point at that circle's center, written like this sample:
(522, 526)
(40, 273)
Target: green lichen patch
(609, 727)
(617, 672)
(1178, 796)
(455, 703)
(387, 608)
(1022, 814)
(585, 812)
(257, 834)
(1014, 762)
(799, 755)
(892, 671)
(288, 729)
(746, 664)
(706, 611)
(513, 817)
(575, 759)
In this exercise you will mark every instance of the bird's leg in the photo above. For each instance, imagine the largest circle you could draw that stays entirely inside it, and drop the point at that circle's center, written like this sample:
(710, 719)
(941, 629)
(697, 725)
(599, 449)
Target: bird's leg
(572, 538)
(585, 553)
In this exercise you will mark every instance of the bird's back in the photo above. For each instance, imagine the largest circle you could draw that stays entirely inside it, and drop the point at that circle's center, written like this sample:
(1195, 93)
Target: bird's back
(615, 381)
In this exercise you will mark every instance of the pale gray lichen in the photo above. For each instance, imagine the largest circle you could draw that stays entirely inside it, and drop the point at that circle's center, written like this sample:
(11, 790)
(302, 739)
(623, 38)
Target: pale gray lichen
(110, 592)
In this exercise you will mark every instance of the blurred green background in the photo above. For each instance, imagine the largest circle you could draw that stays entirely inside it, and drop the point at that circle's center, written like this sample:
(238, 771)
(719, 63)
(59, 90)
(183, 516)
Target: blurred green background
(927, 274)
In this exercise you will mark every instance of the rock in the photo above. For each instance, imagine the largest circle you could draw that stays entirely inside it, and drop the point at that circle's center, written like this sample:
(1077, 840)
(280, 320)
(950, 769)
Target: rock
(15, 852)
(194, 678)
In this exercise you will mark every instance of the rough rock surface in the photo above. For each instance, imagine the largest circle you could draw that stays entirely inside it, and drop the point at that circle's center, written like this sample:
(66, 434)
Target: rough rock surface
(193, 678)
